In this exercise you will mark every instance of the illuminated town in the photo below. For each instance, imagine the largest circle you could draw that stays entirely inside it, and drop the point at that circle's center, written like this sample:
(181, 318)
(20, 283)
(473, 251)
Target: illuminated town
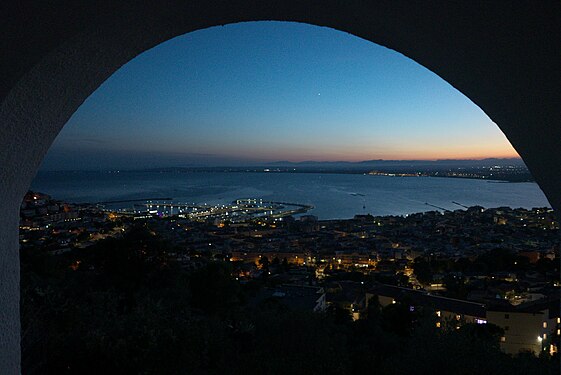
(474, 265)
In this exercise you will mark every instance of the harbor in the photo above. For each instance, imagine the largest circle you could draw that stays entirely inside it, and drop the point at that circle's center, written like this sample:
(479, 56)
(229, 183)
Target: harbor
(240, 210)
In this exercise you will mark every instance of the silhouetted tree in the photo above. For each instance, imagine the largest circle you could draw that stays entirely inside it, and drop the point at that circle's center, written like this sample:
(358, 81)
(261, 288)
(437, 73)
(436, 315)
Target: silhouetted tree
(422, 270)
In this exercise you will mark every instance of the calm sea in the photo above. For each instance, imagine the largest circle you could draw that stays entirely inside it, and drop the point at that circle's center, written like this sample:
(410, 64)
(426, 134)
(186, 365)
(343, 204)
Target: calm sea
(333, 195)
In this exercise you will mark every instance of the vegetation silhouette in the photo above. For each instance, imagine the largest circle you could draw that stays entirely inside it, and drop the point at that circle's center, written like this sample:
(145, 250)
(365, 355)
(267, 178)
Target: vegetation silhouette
(126, 306)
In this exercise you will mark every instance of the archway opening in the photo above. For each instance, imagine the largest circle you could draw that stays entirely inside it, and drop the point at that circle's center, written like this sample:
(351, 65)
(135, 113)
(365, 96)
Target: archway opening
(358, 194)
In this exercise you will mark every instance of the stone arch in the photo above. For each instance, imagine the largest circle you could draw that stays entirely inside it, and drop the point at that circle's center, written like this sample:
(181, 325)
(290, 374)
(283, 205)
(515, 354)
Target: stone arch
(504, 57)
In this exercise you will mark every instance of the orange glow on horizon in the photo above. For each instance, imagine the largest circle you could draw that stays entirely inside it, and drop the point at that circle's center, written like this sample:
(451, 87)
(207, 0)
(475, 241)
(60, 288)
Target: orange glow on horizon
(324, 158)
(358, 157)
(362, 152)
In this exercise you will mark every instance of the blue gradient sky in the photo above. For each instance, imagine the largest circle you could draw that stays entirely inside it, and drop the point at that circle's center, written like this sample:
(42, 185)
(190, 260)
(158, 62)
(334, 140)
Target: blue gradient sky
(267, 91)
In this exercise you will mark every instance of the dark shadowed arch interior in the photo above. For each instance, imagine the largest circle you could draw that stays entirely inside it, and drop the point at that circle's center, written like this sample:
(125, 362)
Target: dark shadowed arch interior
(504, 57)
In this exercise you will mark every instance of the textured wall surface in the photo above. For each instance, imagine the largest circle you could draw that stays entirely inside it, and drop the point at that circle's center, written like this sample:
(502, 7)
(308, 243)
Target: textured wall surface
(9, 287)
(504, 56)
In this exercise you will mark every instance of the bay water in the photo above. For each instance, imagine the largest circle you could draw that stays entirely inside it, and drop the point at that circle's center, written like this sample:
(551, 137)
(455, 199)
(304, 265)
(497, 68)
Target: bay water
(334, 196)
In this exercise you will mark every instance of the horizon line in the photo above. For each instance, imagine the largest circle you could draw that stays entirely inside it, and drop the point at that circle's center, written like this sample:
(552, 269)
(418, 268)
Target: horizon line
(249, 164)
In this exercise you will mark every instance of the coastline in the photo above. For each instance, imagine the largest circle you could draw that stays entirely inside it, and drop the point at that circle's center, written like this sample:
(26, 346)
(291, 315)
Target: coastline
(511, 178)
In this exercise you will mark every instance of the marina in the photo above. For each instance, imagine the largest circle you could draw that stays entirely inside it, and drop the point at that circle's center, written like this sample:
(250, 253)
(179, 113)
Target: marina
(240, 210)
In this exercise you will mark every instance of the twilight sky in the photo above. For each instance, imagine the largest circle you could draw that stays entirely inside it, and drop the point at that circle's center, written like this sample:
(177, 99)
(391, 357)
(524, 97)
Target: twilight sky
(267, 91)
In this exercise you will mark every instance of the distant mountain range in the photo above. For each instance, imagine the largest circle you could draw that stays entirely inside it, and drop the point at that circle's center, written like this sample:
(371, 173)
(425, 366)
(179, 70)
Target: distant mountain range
(489, 162)
(355, 167)
(365, 166)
